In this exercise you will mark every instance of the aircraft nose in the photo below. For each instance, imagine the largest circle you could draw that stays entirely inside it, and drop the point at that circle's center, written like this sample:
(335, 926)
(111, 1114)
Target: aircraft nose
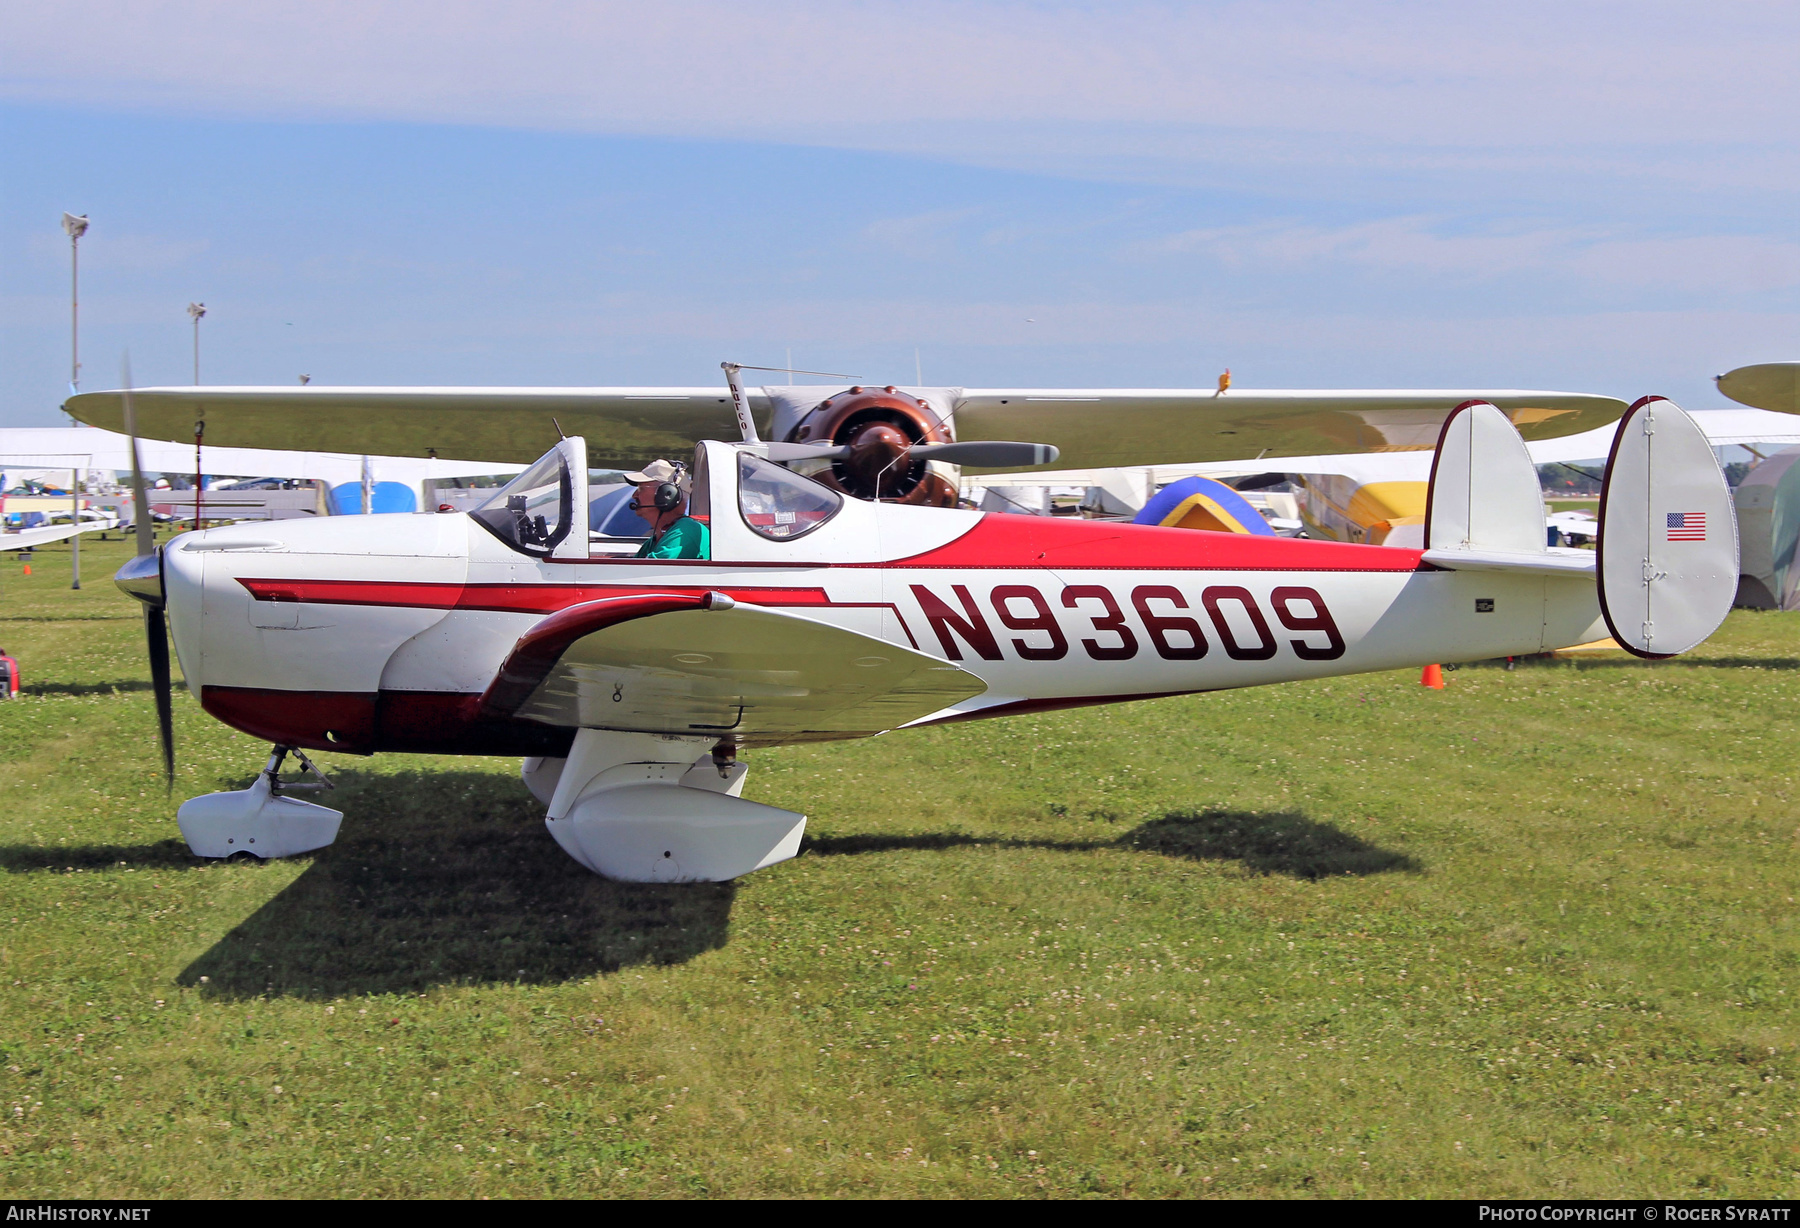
(142, 578)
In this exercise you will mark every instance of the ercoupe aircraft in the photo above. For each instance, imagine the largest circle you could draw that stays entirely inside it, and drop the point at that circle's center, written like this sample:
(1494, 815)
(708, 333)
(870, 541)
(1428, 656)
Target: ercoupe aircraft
(629, 685)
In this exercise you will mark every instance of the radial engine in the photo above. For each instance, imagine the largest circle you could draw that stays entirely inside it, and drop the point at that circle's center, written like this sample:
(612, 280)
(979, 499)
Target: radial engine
(878, 425)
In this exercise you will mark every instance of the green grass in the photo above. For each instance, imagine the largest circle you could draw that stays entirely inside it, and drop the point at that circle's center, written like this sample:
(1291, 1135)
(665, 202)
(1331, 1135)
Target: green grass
(1530, 936)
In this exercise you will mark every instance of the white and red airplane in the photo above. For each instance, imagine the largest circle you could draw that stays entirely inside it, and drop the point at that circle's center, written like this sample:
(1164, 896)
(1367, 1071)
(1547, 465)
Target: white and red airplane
(630, 685)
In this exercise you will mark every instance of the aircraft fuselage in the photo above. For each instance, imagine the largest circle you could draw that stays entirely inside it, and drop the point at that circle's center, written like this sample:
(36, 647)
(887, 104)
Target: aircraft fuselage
(383, 633)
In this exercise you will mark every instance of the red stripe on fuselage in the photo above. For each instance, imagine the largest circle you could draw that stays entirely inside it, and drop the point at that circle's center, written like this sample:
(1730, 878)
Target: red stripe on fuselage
(363, 723)
(1003, 541)
(504, 598)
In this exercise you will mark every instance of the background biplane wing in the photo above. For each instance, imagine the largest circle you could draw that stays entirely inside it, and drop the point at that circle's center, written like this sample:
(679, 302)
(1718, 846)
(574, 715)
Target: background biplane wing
(1117, 427)
(1765, 385)
(626, 427)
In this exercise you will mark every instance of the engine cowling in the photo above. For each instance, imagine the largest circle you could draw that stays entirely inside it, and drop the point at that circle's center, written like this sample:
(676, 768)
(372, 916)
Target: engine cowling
(877, 425)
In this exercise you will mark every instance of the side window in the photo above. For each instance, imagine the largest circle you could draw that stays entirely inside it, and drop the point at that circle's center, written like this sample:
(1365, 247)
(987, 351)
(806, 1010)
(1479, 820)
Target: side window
(778, 503)
(531, 513)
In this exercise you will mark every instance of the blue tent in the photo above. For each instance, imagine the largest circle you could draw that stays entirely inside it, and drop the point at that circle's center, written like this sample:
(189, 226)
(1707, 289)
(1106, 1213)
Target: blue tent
(346, 500)
(1203, 503)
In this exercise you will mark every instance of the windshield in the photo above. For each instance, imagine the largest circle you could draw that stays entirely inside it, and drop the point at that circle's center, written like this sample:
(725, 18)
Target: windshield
(531, 512)
(778, 503)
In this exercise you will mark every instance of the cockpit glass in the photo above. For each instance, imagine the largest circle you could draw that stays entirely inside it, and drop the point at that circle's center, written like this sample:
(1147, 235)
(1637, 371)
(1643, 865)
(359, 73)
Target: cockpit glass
(610, 513)
(531, 512)
(778, 503)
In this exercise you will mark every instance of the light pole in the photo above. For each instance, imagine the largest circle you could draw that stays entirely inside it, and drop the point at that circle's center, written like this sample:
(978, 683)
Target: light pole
(195, 311)
(75, 518)
(74, 227)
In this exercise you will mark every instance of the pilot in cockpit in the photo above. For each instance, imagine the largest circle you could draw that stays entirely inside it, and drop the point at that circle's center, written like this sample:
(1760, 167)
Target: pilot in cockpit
(662, 501)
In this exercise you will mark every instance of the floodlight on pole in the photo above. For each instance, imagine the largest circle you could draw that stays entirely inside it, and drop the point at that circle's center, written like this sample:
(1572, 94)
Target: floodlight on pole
(74, 226)
(195, 311)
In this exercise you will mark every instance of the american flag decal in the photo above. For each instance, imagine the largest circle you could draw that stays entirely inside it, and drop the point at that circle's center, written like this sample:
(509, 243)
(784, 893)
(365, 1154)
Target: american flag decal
(1687, 526)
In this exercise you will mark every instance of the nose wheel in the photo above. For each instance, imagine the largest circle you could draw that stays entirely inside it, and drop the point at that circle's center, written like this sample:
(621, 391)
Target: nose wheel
(262, 821)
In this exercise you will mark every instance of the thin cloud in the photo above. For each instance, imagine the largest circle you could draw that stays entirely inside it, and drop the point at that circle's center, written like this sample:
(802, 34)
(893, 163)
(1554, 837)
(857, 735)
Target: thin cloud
(881, 73)
(921, 236)
(1421, 245)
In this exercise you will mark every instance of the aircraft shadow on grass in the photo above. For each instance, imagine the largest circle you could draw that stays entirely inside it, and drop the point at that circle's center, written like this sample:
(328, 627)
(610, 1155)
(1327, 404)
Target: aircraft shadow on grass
(1266, 842)
(32, 858)
(84, 688)
(446, 878)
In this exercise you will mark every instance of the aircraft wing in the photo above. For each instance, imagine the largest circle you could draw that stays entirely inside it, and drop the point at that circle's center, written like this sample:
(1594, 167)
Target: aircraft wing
(1099, 427)
(698, 664)
(1722, 427)
(625, 427)
(1766, 385)
(83, 447)
(30, 539)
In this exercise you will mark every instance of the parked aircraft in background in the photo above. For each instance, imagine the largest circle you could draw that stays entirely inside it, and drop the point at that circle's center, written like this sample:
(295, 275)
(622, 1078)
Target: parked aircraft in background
(856, 435)
(1764, 385)
(58, 453)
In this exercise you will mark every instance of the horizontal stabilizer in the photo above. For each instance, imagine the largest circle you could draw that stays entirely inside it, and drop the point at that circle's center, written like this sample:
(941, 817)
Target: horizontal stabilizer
(1540, 563)
(1668, 533)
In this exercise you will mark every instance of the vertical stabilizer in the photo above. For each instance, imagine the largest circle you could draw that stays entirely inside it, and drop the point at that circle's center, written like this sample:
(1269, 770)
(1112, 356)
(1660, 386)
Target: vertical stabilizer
(1668, 533)
(1484, 488)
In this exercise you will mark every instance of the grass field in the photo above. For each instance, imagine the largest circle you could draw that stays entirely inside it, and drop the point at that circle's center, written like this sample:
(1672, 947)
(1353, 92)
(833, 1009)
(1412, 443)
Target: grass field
(1533, 935)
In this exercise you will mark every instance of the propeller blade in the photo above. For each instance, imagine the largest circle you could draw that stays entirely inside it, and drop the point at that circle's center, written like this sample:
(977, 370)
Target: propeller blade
(142, 578)
(989, 454)
(146, 529)
(157, 636)
(784, 453)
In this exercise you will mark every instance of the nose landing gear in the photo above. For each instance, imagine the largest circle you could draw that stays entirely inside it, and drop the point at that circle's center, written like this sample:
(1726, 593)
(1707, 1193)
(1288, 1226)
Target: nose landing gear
(261, 820)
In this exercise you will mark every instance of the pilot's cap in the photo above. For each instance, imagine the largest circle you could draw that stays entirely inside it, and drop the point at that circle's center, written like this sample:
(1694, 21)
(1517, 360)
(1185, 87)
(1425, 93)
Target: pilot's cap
(655, 471)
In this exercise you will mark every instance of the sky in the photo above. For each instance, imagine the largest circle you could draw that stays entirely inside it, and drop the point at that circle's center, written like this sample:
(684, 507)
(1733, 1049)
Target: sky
(1584, 196)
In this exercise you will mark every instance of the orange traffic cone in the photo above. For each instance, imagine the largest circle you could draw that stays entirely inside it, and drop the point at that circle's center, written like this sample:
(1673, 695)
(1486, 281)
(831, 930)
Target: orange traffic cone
(1433, 677)
(28, 569)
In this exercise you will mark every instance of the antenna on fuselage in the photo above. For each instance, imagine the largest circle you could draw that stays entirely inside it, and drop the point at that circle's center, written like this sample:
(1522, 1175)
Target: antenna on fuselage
(741, 403)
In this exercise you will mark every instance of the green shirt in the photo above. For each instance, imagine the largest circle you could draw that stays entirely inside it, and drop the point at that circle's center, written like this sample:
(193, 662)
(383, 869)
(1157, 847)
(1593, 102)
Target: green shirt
(687, 538)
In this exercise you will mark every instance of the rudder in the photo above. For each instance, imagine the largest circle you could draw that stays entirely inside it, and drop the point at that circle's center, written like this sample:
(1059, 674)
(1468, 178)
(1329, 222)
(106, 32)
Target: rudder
(1485, 493)
(1668, 545)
